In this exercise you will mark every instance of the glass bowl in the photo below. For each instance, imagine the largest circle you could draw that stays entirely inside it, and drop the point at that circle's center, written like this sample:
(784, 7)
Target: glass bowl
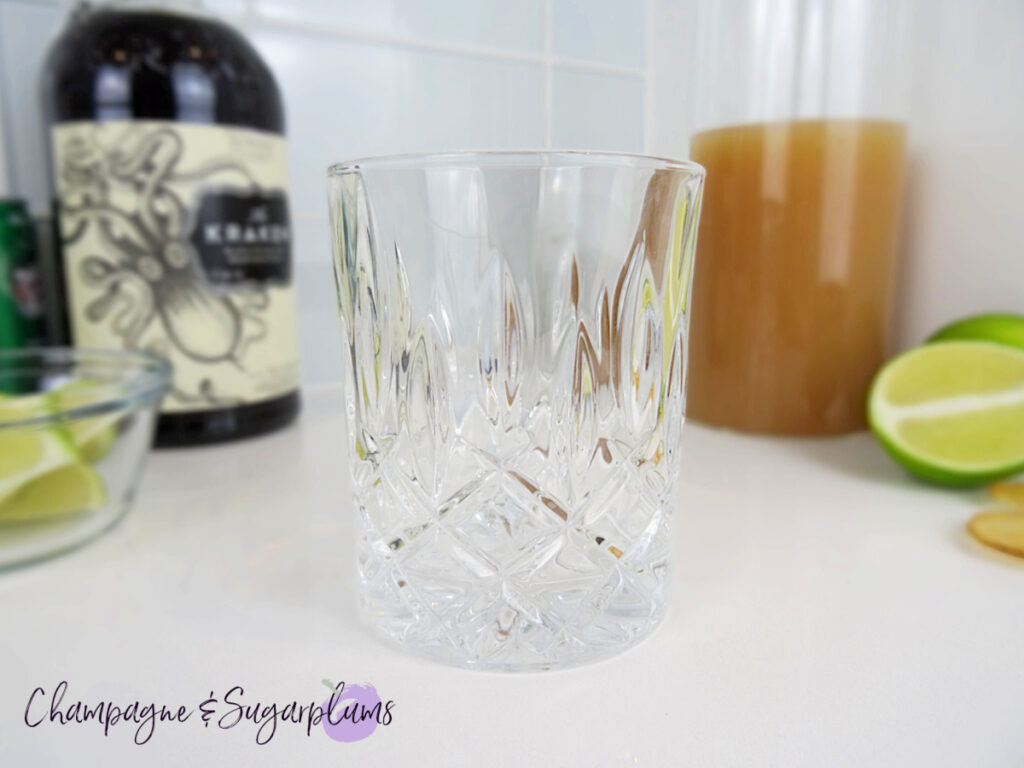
(75, 426)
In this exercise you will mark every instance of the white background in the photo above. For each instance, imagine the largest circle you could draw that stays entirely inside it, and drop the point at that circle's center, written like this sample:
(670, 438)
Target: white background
(364, 77)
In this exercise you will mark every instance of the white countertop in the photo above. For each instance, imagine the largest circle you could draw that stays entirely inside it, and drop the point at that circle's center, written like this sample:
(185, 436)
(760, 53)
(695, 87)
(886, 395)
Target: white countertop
(825, 610)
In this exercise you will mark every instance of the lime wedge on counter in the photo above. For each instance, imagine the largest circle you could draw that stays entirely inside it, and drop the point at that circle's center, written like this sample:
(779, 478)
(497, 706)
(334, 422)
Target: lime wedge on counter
(63, 491)
(999, 328)
(93, 436)
(952, 412)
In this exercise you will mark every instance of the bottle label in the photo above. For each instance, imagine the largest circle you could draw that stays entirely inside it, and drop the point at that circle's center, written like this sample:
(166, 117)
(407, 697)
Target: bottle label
(176, 239)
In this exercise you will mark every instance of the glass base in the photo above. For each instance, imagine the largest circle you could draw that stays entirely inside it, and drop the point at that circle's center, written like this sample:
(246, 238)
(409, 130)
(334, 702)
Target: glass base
(559, 605)
(468, 658)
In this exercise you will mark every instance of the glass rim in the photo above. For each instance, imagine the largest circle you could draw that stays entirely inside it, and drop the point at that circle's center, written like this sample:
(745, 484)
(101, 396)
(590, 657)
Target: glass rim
(514, 158)
(143, 378)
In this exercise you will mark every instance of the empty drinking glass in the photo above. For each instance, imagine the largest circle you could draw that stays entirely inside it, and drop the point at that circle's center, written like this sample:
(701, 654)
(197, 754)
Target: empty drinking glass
(515, 331)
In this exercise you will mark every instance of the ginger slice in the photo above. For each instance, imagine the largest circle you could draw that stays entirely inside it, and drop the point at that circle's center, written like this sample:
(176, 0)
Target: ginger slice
(1010, 493)
(1001, 529)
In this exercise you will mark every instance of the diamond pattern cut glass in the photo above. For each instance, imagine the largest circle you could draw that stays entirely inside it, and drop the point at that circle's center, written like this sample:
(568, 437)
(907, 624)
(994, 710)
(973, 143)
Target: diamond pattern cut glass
(515, 329)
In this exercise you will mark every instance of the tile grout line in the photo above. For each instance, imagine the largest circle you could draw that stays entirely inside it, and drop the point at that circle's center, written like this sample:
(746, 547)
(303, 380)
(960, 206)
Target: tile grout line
(6, 186)
(648, 110)
(8, 183)
(597, 66)
(548, 76)
(252, 16)
(256, 18)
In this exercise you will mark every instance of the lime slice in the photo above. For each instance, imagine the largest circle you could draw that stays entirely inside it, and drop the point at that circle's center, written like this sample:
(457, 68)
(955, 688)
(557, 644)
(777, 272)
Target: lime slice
(998, 328)
(63, 491)
(952, 412)
(29, 451)
(93, 436)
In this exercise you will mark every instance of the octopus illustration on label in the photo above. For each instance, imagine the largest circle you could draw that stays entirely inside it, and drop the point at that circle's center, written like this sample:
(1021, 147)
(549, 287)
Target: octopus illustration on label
(176, 239)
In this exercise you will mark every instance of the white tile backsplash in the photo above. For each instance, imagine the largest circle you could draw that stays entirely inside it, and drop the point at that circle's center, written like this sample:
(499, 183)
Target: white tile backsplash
(602, 31)
(310, 237)
(226, 7)
(379, 100)
(319, 328)
(588, 109)
(26, 30)
(366, 77)
(963, 247)
(513, 26)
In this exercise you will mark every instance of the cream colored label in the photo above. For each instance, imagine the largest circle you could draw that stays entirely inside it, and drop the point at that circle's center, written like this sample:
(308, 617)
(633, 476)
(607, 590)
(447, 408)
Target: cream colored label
(176, 240)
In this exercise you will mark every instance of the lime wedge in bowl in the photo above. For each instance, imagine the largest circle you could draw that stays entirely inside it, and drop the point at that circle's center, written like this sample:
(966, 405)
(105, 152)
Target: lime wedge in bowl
(41, 473)
(67, 490)
(27, 454)
(93, 436)
(75, 428)
(30, 452)
(952, 412)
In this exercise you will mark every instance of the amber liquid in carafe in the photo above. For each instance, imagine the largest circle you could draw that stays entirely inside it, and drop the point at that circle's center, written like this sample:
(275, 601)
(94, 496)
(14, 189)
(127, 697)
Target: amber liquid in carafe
(793, 287)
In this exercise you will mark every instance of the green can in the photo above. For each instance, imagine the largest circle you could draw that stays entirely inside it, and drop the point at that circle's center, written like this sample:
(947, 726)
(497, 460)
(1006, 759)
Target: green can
(21, 305)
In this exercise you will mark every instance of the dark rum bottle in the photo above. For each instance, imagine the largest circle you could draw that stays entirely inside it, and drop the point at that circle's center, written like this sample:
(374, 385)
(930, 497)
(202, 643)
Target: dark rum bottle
(171, 211)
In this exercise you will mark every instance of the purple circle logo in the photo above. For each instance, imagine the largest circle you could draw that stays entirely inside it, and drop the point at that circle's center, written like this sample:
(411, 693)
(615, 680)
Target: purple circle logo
(352, 712)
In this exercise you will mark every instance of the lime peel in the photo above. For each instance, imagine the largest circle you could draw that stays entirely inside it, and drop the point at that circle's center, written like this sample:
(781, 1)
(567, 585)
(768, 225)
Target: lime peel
(999, 327)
